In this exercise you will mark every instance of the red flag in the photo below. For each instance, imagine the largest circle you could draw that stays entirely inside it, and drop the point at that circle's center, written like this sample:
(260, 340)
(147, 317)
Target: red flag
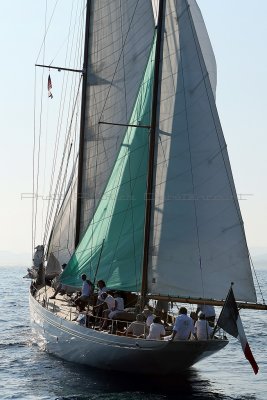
(230, 321)
(49, 87)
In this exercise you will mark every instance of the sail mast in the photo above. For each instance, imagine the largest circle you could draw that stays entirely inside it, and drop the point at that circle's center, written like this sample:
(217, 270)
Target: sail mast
(82, 124)
(152, 143)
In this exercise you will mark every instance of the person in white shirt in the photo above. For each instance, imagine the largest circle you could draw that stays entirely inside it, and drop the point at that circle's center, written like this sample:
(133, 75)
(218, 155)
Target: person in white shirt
(137, 328)
(209, 312)
(101, 289)
(156, 330)
(202, 328)
(110, 304)
(58, 283)
(183, 326)
(119, 306)
(149, 316)
(87, 290)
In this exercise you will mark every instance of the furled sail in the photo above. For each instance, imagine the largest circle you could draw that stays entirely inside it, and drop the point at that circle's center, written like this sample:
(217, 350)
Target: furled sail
(120, 38)
(198, 245)
(112, 246)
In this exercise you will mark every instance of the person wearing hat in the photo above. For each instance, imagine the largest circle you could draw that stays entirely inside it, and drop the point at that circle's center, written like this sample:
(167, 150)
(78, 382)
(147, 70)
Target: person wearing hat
(202, 328)
(209, 312)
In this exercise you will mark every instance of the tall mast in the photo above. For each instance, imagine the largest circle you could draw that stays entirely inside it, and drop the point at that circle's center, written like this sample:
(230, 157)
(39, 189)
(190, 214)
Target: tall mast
(151, 156)
(82, 125)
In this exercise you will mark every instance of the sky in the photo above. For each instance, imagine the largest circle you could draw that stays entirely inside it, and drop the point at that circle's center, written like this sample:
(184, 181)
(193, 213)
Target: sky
(238, 33)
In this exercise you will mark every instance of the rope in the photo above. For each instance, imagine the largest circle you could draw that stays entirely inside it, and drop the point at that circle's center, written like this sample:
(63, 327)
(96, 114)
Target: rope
(256, 277)
(36, 161)
(50, 214)
(46, 29)
(59, 187)
(35, 192)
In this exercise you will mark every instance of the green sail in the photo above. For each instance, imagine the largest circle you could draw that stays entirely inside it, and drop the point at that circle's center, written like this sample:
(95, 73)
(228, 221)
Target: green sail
(116, 231)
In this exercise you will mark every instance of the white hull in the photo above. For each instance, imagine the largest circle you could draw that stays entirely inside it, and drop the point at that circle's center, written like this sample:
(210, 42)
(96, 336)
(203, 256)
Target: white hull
(82, 345)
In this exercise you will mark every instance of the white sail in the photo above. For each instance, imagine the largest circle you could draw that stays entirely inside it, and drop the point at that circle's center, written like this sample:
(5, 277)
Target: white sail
(62, 241)
(53, 267)
(120, 40)
(204, 42)
(198, 245)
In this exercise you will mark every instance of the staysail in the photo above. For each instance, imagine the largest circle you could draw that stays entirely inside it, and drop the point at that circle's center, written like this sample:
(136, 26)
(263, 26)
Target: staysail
(198, 245)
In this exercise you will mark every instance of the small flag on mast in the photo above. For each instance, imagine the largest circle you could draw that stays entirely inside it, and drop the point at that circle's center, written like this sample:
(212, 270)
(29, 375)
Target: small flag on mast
(230, 321)
(49, 87)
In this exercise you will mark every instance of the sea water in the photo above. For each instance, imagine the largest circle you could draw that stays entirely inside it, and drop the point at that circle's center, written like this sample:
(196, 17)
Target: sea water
(26, 372)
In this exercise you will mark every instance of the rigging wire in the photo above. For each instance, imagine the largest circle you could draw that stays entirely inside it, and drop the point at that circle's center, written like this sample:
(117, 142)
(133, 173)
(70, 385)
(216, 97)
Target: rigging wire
(50, 214)
(39, 141)
(60, 120)
(69, 51)
(256, 277)
(46, 29)
(33, 162)
(76, 130)
(35, 186)
(44, 172)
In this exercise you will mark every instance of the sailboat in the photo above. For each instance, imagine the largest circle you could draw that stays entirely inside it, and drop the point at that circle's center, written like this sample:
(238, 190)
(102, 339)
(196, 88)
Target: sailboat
(151, 207)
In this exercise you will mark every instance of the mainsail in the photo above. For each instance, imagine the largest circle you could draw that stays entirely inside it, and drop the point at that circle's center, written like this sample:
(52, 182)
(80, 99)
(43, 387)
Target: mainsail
(197, 243)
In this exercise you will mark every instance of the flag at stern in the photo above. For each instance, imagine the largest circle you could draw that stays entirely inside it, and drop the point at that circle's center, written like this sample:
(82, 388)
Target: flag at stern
(230, 321)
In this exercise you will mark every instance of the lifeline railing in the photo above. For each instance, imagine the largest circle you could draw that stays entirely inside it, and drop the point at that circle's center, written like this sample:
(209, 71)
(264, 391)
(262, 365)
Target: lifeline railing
(96, 320)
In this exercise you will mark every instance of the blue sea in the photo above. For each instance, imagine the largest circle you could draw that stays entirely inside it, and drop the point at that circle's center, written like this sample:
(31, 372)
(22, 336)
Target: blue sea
(26, 372)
